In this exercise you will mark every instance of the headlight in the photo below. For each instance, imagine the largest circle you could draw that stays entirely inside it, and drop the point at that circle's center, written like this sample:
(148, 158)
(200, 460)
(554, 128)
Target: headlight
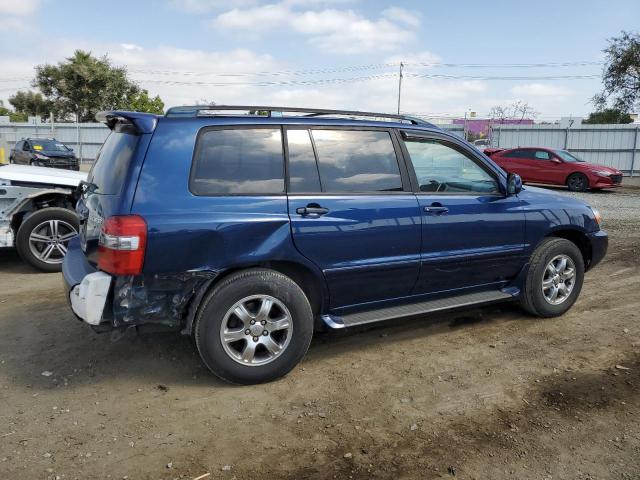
(602, 173)
(596, 216)
(39, 156)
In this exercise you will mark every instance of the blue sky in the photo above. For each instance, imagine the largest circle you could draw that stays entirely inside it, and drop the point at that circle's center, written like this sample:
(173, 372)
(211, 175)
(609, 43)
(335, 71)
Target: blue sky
(329, 53)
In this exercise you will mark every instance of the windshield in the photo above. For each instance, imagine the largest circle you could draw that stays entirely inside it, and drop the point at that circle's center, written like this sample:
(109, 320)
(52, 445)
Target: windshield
(49, 146)
(567, 157)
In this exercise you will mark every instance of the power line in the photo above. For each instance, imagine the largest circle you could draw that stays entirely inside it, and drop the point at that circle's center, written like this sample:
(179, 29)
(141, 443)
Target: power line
(321, 81)
(376, 66)
(498, 77)
(508, 65)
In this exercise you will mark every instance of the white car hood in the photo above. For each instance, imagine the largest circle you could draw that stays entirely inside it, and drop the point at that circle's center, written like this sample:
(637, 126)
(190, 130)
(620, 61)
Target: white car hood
(50, 176)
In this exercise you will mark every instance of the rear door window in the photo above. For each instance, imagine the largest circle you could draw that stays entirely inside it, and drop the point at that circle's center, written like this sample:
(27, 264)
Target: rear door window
(109, 171)
(357, 161)
(238, 161)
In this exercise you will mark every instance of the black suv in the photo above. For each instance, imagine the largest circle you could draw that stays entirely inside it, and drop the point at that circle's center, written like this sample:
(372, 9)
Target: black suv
(44, 152)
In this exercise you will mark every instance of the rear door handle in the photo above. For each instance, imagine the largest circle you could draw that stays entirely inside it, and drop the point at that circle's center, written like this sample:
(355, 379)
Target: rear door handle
(312, 211)
(436, 210)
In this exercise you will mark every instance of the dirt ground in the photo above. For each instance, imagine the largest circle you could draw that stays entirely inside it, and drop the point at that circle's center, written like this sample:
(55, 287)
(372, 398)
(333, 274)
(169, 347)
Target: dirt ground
(486, 393)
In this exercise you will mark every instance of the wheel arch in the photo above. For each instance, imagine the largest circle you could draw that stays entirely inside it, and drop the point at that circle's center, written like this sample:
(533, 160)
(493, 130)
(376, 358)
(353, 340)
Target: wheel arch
(39, 201)
(309, 281)
(577, 237)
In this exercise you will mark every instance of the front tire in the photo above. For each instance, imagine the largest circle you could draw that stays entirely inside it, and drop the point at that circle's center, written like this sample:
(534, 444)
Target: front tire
(578, 182)
(43, 237)
(253, 327)
(554, 279)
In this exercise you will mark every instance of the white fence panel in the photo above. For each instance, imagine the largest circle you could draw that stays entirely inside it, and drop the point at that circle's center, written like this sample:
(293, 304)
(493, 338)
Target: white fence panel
(612, 145)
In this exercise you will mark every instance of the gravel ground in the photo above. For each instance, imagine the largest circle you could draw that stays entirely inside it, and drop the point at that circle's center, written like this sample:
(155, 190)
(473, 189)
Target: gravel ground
(485, 393)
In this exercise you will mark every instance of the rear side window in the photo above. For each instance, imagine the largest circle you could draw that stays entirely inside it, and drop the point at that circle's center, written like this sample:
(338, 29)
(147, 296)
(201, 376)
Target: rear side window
(238, 161)
(357, 161)
(110, 168)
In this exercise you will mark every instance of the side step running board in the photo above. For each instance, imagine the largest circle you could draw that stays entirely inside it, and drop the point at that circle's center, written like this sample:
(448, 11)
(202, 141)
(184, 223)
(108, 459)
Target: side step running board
(419, 308)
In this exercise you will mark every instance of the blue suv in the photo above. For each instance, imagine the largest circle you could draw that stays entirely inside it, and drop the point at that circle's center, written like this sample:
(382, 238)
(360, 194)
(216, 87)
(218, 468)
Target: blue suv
(249, 228)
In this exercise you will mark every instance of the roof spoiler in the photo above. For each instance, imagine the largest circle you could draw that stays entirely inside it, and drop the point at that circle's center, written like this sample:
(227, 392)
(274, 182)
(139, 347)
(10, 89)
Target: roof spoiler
(142, 122)
(490, 151)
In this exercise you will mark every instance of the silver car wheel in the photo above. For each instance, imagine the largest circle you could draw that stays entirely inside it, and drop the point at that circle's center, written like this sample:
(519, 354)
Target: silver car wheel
(558, 279)
(48, 241)
(256, 330)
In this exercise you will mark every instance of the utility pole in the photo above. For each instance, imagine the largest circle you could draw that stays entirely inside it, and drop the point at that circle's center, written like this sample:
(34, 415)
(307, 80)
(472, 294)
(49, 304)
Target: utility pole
(464, 129)
(400, 85)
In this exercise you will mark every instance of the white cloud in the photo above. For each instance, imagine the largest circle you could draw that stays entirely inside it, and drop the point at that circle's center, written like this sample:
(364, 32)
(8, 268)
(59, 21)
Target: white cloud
(15, 14)
(18, 7)
(254, 19)
(346, 32)
(414, 58)
(204, 6)
(403, 16)
(334, 30)
(183, 76)
(540, 90)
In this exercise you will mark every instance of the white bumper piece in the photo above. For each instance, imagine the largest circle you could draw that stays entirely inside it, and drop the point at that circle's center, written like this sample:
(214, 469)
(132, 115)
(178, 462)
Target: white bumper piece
(90, 296)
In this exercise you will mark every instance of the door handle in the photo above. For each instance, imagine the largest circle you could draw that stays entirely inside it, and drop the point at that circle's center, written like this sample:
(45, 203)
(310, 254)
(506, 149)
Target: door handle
(436, 209)
(312, 211)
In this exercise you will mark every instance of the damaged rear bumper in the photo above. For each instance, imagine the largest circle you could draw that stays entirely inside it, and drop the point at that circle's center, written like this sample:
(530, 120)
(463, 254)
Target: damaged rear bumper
(86, 288)
(89, 297)
(105, 301)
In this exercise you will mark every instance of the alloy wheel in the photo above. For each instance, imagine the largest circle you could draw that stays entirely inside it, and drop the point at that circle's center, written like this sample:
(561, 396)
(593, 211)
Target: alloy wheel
(48, 241)
(256, 330)
(558, 279)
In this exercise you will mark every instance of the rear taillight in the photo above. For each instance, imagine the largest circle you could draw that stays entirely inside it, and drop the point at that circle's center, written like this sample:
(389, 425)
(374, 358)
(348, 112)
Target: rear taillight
(122, 244)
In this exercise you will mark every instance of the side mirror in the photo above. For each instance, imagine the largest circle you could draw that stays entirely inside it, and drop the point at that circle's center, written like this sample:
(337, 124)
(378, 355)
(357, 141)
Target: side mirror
(514, 184)
(555, 160)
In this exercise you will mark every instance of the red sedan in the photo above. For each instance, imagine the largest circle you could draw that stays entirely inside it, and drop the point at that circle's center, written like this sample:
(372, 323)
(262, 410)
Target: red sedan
(555, 167)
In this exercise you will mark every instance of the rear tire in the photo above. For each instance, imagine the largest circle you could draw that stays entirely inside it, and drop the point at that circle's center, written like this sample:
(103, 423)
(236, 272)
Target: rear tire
(578, 182)
(547, 275)
(32, 242)
(244, 358)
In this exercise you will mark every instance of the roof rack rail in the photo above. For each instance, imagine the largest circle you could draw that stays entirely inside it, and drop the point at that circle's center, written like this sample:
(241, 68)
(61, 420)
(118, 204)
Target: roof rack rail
(267, 111)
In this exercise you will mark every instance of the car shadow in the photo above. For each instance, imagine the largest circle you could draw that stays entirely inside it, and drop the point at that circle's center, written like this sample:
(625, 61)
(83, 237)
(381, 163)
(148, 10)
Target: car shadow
(338, 342)
(11, 262)
(562, 188)
(76, 356)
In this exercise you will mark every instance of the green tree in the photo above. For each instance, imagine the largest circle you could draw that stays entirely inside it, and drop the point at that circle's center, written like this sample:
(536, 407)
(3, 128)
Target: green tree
(85, 85)
(13, 116)
(621, 76)
(30, 103)
(608, 115)
(144, 103)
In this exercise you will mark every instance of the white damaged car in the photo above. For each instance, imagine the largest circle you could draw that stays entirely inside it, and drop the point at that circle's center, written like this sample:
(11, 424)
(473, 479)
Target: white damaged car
(37, 213)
